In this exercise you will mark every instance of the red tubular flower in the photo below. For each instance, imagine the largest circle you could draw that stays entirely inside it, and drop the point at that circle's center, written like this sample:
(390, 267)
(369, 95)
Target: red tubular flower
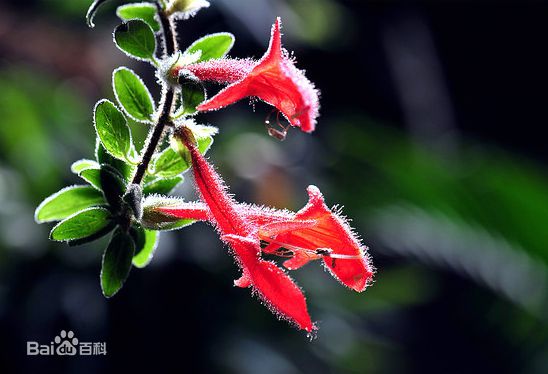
(272, 284)
(315, 232)
(274, 79)
(325, 234)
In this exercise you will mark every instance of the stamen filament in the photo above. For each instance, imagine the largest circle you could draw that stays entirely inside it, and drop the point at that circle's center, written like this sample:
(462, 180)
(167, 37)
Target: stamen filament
(325, 252)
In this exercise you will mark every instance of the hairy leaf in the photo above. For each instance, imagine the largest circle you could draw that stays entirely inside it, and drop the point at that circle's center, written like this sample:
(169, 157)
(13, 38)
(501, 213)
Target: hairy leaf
(136, 39)
(116, 262)
(66, 202)
(212, 46)
(132, 94)
(146, 242)
(82, 224)
(78, 166)
(143, 11)
(169, 163)
(162, 186)
(112, 129)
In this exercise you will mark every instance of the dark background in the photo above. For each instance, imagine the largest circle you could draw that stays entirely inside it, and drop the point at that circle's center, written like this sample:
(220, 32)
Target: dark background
(431, 136)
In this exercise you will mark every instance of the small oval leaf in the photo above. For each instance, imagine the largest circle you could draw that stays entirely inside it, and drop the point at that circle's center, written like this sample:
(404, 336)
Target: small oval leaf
(82, 224)
(103, 157)
(146, 242)
(162, 186)
(112, 185)
(192, 94)
(132, 94)
(78, 166)
(92, 176)
(66, 202)
(169, 163)
(112, 129)
(136, 39)
(212, 46)
(143, 11)
(116, 262)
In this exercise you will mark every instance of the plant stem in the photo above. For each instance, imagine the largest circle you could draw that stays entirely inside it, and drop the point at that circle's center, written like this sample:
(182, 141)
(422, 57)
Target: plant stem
(166, 104)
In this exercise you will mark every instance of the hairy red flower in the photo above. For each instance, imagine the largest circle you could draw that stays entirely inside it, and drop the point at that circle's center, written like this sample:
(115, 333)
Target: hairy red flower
(272, 284)
(273, 79)
(315, 232)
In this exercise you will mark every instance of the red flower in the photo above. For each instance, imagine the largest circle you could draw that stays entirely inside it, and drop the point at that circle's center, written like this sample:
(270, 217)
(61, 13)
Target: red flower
(273, 285)
(315, 232)
(274, 79)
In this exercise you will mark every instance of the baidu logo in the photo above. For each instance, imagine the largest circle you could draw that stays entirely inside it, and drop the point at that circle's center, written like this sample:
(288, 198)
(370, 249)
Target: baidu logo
(66, 344)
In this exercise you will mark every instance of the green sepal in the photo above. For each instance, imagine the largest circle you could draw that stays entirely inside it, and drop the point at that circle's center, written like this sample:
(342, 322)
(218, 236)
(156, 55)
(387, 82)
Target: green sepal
(192, 94)
(153, 219)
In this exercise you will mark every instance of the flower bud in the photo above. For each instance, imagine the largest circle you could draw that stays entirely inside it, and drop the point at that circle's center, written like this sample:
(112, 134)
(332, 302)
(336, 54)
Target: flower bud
(133, 198)
(185, 8)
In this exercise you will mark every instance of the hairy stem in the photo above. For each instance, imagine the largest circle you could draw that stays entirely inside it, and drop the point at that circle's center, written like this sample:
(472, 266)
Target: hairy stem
(166, 104)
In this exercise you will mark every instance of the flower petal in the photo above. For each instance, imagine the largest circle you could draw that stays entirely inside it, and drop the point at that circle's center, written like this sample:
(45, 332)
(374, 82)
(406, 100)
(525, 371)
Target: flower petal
(333, 232)
(271, 283)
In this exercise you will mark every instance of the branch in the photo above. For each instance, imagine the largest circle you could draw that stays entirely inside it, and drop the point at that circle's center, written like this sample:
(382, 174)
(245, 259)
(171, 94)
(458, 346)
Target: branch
(155, 135)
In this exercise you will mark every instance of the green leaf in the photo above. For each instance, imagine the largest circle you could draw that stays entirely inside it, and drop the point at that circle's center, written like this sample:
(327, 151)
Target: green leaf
(212, 46)
(146, 242)
(112, 185)
(78, 166)
(162, 186)
(82, 224)
(132, 94)
(136, 39)
(143, 11)
(92, 10)
(92, 176)
(169, 163)
(112, 129)
(192, 94)
(103, 157)
(116, 262)
(67, 202)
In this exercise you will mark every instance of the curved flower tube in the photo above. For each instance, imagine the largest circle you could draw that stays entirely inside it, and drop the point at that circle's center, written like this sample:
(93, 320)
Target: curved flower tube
(271, 283)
